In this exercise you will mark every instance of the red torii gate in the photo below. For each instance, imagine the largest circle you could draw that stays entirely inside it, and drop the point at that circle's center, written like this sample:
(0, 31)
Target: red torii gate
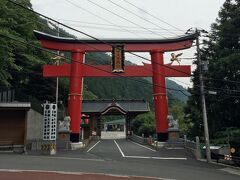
(77, 70)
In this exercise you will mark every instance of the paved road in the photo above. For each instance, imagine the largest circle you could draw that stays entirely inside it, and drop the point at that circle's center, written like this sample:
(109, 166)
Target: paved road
(120, 157)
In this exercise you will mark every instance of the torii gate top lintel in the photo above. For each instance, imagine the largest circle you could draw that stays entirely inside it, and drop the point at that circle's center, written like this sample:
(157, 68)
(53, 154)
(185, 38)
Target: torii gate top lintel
(105, 45)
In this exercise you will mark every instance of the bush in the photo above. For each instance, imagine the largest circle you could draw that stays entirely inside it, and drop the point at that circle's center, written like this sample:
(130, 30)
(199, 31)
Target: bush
(144, 124)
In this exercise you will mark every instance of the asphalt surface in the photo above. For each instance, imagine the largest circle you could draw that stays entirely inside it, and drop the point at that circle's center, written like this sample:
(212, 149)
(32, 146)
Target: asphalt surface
(116, 157)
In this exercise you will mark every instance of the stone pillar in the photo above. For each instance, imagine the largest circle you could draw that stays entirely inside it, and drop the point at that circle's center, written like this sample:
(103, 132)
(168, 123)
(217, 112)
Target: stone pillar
(127, 125)
(198, 151)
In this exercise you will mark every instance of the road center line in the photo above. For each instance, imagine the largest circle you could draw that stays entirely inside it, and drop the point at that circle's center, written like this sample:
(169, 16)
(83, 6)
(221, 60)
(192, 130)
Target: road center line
(119, 148)
(143, 146)
(93, 146)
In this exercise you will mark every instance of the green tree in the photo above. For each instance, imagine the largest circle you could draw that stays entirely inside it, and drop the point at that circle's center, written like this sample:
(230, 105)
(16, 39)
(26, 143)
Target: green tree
(222, 50)
(21, 63)
(144, 124)
(7, 61)
(177, 111)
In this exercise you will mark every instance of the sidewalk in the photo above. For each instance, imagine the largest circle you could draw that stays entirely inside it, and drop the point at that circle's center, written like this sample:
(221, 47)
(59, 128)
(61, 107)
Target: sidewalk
(47, 175)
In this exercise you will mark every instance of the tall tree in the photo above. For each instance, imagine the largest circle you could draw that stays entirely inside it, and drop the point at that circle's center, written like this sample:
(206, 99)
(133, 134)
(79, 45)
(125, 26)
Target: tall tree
(222, 50)
(21, 62)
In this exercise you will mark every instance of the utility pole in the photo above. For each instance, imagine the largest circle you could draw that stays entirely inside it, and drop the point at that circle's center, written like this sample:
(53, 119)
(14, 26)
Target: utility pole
(204, 112)
(57, 62)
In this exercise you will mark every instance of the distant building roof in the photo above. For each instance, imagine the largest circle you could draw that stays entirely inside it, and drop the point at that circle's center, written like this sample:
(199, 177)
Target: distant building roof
(115, 107)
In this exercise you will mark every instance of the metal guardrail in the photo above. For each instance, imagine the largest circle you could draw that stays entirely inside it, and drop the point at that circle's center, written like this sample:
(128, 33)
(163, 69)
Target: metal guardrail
(229, 159)
(188, 143)
(6, 146)
(180, 143)
(138, 139)
(192, 146)
(11, 148)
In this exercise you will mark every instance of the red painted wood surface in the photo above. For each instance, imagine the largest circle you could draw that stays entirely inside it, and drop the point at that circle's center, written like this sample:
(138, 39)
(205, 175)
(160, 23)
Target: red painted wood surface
(105, 71)
(173, 46)
(75, 93)
(159, 92)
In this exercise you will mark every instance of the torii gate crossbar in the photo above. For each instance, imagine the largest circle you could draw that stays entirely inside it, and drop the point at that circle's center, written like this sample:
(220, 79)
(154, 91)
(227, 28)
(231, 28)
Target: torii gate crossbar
(77, 70)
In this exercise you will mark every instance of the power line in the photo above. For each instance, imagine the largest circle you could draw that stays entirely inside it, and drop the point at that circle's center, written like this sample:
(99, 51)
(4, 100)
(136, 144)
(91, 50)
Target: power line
(139, 81)
(123, 17)
(132, 23)
(99, 64)
(109, 72)
(96, 38)
(112, 25)
(129, 12)
(111, 29)
(152, 15)
(69, 27)
(222, 80)
(102, 41)
(90, 12)
(227, 97)
(148, 83)
(139, 16)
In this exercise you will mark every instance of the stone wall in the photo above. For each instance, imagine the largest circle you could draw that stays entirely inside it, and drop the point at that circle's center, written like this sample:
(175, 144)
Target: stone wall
(34, 125)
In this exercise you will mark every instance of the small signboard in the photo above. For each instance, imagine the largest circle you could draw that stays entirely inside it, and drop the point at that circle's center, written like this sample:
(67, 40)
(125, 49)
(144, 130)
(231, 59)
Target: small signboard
(118, 59)
(49, 121)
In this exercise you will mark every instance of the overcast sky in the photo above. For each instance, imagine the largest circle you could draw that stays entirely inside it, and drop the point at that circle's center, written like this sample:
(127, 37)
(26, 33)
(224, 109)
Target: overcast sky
(111, 20)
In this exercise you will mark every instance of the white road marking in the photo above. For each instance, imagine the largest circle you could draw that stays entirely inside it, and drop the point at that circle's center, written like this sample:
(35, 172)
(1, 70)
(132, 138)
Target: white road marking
(79, 173)
(175, 148)
(231, 171)
(169, 158)
(144, 146)
(147, 157)
(119, 149)
(67, 158)
(93, 146)
(138, 157)
(161, 158)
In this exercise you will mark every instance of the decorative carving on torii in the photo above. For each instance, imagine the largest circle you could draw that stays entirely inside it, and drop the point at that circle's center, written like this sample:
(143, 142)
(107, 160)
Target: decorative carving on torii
(77, 70)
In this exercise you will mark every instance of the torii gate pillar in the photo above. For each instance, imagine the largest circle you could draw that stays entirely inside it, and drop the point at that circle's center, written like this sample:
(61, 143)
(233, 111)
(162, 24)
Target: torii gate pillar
(75, 94)
(159, 95)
